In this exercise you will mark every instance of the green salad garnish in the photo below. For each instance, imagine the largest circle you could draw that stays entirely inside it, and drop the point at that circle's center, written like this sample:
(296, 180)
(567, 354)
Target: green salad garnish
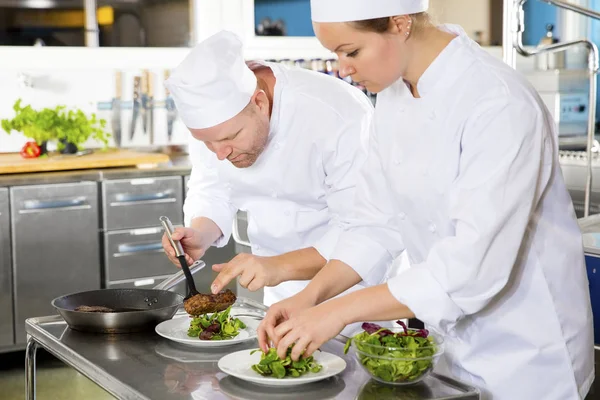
(271, 365)
(216, 326)
(394, 357)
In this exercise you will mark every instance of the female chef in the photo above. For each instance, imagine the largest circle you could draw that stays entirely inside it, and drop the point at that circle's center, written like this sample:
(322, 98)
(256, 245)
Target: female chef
(463, 173)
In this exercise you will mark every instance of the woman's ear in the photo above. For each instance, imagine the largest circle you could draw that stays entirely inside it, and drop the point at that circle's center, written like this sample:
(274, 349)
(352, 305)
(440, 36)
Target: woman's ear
(401, 24)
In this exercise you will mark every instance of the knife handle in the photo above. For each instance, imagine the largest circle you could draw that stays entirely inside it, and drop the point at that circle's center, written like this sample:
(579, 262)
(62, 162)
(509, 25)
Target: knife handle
(167, 75)
(144, 82)
(136, 88)
(118, 83)
(150, 84)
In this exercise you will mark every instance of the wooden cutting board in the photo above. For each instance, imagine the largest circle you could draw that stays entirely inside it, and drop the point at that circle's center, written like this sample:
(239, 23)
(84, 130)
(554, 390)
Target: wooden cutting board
(12, 163)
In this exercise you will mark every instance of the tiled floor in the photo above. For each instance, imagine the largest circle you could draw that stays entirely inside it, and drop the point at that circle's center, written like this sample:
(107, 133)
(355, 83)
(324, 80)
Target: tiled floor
(55, 381)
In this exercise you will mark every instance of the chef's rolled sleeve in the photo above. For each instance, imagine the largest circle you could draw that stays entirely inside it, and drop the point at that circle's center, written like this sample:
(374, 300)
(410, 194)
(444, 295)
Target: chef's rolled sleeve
(418, 289)
(366, 256)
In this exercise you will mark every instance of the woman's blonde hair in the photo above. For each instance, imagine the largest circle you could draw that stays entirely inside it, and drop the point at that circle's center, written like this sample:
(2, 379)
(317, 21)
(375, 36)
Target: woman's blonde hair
(382, 25)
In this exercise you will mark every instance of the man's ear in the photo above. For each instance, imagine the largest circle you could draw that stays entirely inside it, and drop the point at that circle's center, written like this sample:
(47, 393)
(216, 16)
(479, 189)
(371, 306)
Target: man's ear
(261, 100)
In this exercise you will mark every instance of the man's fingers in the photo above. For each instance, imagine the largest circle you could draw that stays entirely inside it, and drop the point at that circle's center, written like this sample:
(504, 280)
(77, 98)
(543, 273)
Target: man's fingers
(218, 267)
(245, 278)
(223, 279)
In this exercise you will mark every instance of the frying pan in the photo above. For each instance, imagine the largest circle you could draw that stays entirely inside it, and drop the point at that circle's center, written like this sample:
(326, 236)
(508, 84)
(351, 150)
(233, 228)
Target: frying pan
(136, 309)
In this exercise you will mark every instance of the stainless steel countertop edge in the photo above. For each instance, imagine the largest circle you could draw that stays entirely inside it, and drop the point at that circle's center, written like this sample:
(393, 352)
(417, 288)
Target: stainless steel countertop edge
(74, 360)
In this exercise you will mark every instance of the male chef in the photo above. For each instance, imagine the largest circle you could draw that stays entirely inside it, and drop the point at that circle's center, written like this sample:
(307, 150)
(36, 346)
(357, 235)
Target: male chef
(284, 145)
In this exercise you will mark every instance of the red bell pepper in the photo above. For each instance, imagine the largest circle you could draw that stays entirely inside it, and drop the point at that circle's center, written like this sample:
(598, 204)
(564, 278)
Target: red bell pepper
(30, 150)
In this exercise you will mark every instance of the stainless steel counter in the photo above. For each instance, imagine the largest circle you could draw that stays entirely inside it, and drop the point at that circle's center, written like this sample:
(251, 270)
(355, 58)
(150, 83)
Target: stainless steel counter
(146, 366)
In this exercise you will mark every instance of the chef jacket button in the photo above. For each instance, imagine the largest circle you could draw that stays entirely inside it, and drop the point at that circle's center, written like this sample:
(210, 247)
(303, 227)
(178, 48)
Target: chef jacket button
(432, 227)
(273, 193)
(398, 161)
(402, 216)
(276, 146)
(286, 213)
(432, 115)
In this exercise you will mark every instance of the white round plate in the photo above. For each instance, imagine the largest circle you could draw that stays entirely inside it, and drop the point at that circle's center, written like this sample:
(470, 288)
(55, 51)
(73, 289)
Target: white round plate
(176, 330)
(239, 365)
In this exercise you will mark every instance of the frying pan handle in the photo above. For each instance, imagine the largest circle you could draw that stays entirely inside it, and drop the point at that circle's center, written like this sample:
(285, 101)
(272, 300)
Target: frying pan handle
(179, 276)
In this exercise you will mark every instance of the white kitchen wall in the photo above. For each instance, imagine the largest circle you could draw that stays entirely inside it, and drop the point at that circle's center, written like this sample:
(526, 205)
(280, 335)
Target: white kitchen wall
(472, 15)
(86, 78)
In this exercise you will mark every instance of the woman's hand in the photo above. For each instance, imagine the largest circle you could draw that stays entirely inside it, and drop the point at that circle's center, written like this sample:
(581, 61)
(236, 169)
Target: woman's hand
(308, 330)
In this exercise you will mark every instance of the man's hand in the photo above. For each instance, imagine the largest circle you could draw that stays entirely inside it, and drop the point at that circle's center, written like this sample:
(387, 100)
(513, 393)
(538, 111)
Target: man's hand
(191, 241)
(255, 272)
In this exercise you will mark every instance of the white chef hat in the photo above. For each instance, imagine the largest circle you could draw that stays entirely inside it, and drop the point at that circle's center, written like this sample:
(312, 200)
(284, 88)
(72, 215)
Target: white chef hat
(212, 84)
(359, 10)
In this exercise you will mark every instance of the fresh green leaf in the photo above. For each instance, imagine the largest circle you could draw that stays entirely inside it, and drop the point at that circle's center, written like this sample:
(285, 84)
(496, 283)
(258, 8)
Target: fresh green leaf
(221, 324)
(271, 365)
(71, 126)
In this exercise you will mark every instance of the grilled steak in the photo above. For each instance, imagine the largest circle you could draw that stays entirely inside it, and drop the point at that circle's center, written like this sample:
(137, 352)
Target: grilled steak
(209, 303)
(94, 309)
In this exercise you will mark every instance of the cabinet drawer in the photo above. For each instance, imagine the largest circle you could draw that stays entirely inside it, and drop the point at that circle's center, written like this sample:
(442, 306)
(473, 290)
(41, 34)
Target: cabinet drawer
(136, 253)
(136, 203)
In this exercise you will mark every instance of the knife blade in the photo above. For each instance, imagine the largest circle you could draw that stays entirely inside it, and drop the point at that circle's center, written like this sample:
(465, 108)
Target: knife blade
(171, 112)
(150, 109)
(136, 105)
(116, 111)
(144, 101)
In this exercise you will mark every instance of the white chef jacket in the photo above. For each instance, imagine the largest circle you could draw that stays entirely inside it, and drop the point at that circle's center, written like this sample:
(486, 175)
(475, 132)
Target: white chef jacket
(303, 181)
(467, 180)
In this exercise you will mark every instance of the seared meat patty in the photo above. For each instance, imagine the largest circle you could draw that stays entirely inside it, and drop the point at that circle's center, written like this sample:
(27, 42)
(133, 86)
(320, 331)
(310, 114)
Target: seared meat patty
(209, 303)
(94, 309)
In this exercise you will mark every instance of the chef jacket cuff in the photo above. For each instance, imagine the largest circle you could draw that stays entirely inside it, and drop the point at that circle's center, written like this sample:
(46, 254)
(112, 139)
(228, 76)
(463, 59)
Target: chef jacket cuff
(368, 258)
(418, 289)
(222, 219)
(326, 245)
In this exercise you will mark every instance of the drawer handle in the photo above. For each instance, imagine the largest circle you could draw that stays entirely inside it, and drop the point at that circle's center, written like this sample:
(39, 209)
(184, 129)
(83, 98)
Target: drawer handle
(33, 206)
(124, 199)
(131, 249)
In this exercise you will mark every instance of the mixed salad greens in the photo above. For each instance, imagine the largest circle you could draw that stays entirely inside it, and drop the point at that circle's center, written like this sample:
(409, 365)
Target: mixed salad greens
(271, 365)
(216, 326)
(394, 357)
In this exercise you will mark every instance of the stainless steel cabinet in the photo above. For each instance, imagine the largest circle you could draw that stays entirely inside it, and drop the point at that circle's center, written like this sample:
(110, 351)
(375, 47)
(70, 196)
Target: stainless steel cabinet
(56, 246)
(6, 292)
(137, 203)
(132, 231)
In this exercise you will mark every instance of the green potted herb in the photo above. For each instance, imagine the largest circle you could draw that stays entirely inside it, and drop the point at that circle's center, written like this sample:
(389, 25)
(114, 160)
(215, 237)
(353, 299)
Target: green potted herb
(70, 128)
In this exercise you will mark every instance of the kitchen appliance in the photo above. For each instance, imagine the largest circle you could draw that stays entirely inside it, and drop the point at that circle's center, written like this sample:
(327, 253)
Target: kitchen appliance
(566, 94)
